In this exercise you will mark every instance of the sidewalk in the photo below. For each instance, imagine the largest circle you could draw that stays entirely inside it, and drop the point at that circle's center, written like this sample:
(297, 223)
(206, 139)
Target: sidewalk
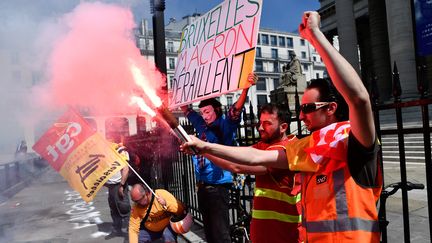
(195, 235)
(47, 210)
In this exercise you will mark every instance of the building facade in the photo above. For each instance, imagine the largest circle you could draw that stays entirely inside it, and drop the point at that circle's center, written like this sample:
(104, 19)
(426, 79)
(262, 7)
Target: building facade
(376, 35)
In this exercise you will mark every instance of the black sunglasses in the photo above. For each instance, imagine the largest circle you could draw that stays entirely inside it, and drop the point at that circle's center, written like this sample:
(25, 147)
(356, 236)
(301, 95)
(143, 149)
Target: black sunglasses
(311, 107)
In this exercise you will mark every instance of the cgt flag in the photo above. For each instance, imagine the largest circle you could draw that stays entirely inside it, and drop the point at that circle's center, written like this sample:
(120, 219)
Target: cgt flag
(80, 154)
(308, 153)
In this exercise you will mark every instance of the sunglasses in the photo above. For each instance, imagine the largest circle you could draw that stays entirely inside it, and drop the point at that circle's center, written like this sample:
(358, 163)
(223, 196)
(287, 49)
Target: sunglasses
(311, 107)
(141, 198)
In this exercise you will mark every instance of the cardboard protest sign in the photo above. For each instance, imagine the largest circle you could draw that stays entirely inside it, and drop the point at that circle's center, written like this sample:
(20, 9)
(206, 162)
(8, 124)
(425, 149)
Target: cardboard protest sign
(217, 52)
(80, 154)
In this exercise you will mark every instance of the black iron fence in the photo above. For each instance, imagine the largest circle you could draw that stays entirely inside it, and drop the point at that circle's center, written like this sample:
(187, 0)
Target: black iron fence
(402, 119)
(180, 178)
(16, 174)
(165, 167)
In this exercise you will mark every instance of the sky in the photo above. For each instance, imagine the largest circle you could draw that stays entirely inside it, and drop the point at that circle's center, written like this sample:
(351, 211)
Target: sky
(35, 26)
(283, 15)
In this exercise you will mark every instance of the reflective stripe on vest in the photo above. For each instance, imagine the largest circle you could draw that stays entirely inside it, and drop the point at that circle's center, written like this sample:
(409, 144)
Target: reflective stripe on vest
(342, 223)
(268, 214)
(279, 196)
(276, 195)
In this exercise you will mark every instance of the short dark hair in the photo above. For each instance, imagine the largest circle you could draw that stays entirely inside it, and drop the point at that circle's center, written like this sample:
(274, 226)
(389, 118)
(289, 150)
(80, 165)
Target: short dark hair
(282, 111)
(217, 106)
(328, 93)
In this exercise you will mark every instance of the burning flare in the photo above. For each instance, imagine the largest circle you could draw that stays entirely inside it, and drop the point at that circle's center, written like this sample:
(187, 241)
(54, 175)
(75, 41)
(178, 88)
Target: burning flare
(142, 105)
(141, 81)
(167, 116)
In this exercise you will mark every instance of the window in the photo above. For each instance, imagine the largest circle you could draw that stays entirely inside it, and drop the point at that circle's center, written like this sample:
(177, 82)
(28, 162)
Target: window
(317, 75)
(281, 41)
(274, 53)
(171, 63)
(14, 58)
(258, 52)
(314, 58)
(116, 128)
(259, 39)
(261, 84)
(170, 78)
(303, 55)
(262, 100)
(275, 67)
(275, 83)
(229, 100)
(36, 77)
(92, 123)
(264, 39)
(170, 46)
(16, 75)
(141, 124)
(305, 67)
(259, 66)
(302, 42)
(273, 40)
(290, 42)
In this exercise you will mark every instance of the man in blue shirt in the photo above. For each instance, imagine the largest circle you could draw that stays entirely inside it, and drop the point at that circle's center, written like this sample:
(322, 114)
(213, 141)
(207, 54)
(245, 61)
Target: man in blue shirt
(213, 182)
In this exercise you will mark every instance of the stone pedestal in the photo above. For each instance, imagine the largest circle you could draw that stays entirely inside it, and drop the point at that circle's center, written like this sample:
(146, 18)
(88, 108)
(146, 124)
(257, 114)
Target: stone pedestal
(284, 95)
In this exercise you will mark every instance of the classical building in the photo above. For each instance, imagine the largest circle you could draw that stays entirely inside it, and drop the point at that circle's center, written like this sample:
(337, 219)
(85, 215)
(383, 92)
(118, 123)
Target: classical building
(272, 53)
(374, 35)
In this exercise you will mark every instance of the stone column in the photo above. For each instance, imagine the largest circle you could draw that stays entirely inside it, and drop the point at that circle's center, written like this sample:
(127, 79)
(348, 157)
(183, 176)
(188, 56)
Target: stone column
(401, 42)
(380, 48)
(347, 32)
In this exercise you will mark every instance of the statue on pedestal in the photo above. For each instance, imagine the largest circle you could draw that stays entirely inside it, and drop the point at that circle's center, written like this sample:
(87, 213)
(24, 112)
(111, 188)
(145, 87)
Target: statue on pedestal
(291, 72)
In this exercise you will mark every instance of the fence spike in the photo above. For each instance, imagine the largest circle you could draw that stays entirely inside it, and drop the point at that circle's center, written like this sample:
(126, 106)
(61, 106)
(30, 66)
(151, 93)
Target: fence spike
(296, 100)
(374, 89)
(397, 90)
(422, 84)
(251, 113)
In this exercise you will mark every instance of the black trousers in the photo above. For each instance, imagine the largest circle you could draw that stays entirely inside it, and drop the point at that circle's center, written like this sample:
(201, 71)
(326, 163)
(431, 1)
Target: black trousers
(119, 207)
(213, 203)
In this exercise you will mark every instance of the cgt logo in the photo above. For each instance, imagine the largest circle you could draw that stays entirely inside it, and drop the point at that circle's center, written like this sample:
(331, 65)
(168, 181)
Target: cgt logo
(64, 143)
(321, 179)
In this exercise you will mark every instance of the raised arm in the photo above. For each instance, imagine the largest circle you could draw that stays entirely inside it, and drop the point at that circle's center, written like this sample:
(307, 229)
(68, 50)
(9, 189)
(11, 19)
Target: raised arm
(240, 155)
(345, 79)
(252, 78)
(236, 168)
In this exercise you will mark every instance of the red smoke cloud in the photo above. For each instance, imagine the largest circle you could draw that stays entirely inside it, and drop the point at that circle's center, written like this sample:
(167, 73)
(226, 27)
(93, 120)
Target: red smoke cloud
(90, 64)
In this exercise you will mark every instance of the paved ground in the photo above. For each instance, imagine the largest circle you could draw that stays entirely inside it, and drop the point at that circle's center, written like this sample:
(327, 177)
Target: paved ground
(48, 211)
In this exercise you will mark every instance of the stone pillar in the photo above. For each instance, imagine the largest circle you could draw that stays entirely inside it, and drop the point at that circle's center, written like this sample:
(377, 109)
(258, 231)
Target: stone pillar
(347, 32)
(379, 48)
(401, 42)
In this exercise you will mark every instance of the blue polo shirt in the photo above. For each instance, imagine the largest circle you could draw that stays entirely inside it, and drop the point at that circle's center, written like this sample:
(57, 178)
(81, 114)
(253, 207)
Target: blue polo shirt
(222, 131)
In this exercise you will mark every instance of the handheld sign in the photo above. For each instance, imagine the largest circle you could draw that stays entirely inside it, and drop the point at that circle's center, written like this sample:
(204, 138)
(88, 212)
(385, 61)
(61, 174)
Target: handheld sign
(80, 154)
(217, 52)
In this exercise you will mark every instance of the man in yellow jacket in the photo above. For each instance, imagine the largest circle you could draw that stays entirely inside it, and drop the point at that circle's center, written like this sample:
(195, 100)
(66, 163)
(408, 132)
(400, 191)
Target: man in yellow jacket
(150, 216)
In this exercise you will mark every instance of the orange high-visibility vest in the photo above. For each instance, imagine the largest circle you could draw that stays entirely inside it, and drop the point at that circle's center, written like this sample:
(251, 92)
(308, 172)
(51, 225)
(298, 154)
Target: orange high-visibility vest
(335, 207)
(276, 213)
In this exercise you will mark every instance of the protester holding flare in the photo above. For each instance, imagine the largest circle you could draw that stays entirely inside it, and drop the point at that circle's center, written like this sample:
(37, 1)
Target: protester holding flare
(342, 178)
(276, 203)
(213, 183)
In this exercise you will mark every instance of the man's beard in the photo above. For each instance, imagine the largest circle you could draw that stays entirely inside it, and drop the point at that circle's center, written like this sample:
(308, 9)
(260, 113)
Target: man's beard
(275, 137)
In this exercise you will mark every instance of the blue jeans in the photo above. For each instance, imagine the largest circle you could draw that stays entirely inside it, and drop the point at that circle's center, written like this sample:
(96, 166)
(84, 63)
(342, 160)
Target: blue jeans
(213, 203)
(167, 235)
